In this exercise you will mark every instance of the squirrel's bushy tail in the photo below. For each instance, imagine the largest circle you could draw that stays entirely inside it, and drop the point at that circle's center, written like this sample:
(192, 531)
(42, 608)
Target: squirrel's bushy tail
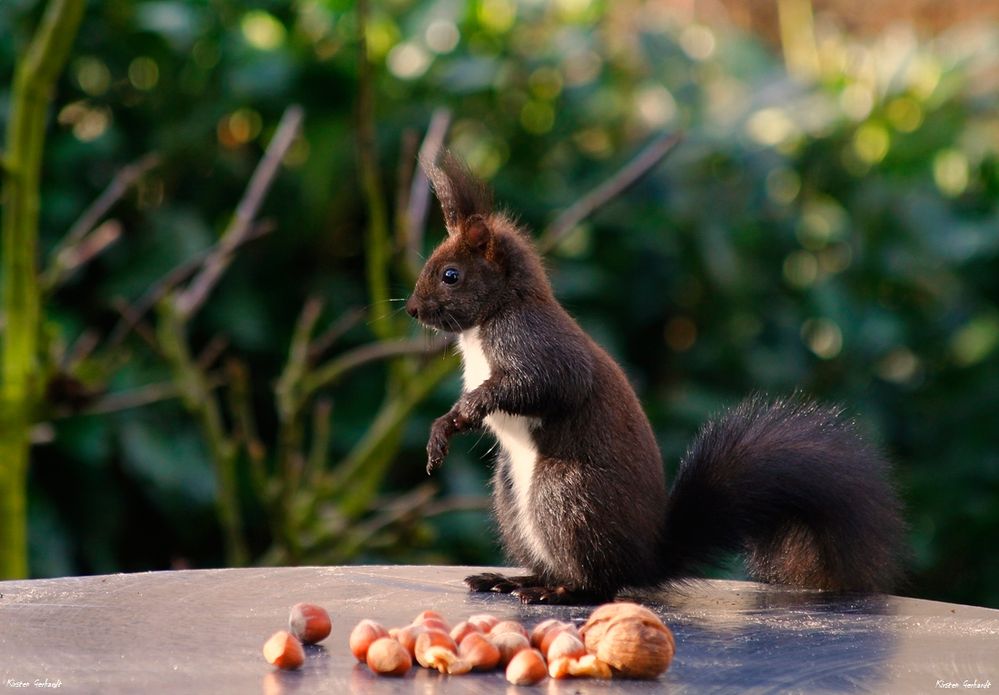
(796, 488)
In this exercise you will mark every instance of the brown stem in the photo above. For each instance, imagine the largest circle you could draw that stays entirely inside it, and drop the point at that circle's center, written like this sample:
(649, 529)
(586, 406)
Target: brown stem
(327, 339)
(325, 375)
(654, 153)
(161, 287)
(376, 240)
(75, 256)
(126, 177)
(241, 226)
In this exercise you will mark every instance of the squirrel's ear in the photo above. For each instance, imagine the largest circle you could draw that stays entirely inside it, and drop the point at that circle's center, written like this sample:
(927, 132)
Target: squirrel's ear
(461, 194)
(476, 233)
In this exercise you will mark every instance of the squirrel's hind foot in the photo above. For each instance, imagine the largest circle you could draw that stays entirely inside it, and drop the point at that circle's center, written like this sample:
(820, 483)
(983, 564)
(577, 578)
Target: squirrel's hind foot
(500, 583)
(531, 589)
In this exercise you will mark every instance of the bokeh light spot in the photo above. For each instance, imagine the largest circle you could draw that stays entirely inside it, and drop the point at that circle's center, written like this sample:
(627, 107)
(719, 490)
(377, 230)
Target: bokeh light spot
(823, 337)
(143, 73)
(951, 172)
(408, 60)
(262, 30)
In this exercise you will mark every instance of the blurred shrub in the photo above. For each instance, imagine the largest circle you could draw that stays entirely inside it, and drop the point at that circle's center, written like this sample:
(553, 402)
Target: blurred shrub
(835, 231)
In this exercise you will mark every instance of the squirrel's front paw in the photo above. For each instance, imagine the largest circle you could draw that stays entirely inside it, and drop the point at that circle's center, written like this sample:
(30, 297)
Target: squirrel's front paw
(437, 445)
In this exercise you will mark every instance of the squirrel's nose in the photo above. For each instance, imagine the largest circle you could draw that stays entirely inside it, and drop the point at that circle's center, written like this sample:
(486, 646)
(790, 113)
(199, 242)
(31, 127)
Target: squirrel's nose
(411, 307)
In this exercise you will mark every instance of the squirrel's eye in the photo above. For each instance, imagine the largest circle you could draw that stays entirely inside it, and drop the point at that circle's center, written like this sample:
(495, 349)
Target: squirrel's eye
(450, 276)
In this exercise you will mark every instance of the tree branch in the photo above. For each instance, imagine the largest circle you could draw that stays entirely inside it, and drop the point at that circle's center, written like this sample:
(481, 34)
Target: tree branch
(325, 375)
(20, 365)
(159, 289)
(241, 226)
(628, 175)
(376, 240)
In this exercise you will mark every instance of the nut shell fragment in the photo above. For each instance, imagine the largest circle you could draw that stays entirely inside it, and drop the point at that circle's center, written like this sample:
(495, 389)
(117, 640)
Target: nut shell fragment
(429, 639)
(444, 660)
(585, 666)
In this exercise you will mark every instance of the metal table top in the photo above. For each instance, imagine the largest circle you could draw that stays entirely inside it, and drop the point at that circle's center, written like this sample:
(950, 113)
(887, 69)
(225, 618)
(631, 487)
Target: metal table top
(202, 631)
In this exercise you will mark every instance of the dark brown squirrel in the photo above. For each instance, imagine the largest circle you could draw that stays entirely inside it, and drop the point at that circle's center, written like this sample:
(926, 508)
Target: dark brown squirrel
(578, 488)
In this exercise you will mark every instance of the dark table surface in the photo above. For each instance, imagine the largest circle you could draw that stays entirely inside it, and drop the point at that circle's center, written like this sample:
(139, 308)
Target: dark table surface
(202, 631)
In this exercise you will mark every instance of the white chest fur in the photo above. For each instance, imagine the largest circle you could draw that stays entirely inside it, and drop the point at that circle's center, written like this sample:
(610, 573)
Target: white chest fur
(514, 435)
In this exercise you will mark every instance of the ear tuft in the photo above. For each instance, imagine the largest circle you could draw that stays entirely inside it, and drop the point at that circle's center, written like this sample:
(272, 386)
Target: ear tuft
(461, 194)
(476, 233)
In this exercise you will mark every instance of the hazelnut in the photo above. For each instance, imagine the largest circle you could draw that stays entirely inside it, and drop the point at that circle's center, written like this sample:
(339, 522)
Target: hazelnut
(433, 624)
(508, 626)
(462, 630)
(541, 629)
(478, 651)
(407, 636)
(432, 638)
(309, 623)
(388, 658)
(484, 621)
(631, 639)
(428, 615)
(284, 650)
(554, 632)
(526, 668)
(565, 644)
(508, 643)
(361, 637)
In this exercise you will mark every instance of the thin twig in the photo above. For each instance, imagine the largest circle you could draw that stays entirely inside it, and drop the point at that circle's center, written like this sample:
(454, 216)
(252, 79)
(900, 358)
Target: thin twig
(315, 462)
(211, 352)
(340, 327)
(245, 427)
(241, 226)
(161, 287)
(126, 177)
(76, 255)
(289, 384)
(324, 375)
(654, 153)
(131, 318)
(395, 511)
(377, 245)
(458, 503)
(81, 350)
(357, 477)
(126, 400)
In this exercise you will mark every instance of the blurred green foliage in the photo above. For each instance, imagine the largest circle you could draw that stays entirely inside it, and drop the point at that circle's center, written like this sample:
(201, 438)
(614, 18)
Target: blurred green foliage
(832, 227)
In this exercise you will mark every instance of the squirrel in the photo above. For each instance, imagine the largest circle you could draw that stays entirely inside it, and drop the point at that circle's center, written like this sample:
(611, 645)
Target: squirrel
(579, 490)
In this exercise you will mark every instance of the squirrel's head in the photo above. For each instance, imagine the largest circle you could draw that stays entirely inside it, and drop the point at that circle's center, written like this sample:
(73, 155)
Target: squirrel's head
(484, 263)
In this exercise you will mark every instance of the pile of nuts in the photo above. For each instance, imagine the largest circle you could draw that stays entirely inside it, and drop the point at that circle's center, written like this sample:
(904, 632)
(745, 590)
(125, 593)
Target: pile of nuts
(619, 640)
